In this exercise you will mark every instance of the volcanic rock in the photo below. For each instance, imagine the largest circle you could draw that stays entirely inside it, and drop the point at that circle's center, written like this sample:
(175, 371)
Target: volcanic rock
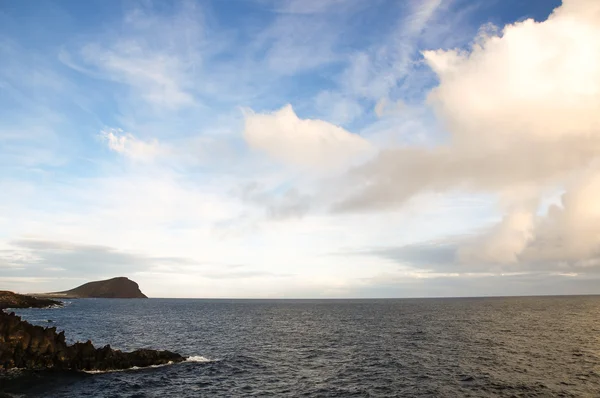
(23, 345)
(14, 300)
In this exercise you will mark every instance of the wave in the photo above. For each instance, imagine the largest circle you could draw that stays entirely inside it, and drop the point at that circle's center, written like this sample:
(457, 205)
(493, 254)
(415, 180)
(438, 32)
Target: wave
(62, 304)
(125, 370)
(193, 358)
(199, 358)
(38, 320)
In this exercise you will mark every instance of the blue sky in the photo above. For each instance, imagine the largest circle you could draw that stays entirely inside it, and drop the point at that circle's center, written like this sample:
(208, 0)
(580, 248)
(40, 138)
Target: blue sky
(336, 148)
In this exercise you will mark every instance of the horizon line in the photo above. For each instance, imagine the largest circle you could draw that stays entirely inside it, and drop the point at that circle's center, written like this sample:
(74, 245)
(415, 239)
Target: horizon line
(370, 298)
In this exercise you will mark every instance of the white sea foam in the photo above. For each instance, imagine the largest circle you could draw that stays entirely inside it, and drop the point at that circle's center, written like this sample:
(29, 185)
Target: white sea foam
(198, 358)
(193, 358)
(125, 370)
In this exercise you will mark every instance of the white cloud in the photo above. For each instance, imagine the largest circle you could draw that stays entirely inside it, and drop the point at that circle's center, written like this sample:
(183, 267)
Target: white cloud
(537, 86)
(503, 244)
(570, 233)
(567, 235)
(510, 96)
(522, 112)
(131, 147)
(307, 143)
(537, 81)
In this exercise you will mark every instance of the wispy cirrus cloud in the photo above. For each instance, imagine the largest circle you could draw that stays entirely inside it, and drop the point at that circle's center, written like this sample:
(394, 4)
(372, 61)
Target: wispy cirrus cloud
(156, 56)
(315, 6)
(375, 73)
(159, 78)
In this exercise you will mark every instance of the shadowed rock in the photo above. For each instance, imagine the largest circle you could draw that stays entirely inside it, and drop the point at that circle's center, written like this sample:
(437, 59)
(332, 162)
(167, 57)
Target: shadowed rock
(23, 345)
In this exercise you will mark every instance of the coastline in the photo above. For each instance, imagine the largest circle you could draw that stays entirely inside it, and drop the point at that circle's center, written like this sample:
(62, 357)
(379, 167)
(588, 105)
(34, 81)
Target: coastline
(27, 346)
(15, 300)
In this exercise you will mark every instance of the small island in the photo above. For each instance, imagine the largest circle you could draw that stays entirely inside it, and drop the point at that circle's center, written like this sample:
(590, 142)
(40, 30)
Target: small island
(27, 346)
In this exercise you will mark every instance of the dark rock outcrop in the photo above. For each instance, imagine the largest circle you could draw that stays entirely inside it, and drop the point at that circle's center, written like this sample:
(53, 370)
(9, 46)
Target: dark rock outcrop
(14, 300)
(23, 345)
(120, 287)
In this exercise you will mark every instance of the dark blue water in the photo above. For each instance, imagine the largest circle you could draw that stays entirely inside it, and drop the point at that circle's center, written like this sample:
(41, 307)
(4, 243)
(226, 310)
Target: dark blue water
(483, 347)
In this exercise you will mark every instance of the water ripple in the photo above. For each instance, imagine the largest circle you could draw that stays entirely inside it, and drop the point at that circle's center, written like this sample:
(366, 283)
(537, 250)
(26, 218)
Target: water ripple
(494, 347)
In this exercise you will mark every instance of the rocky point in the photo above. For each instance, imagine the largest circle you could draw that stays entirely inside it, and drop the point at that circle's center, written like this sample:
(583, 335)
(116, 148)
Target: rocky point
(23, 345)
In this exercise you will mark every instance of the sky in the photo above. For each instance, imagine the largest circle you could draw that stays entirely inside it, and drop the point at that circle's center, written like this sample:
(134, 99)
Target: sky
(301, 148)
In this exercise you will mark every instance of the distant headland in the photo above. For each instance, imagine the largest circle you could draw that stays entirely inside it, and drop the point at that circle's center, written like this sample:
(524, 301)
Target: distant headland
(119, 287)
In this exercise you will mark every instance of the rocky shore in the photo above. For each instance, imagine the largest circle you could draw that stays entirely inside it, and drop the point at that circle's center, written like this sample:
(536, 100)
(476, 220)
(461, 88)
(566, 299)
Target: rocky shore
(23, 345)
(14, 300)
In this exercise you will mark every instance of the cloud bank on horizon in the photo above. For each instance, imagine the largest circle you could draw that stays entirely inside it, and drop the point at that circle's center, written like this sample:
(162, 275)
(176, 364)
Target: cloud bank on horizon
(293, 148)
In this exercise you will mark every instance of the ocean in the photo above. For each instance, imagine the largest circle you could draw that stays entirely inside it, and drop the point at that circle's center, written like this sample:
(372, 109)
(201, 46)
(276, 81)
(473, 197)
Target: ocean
(457, 347)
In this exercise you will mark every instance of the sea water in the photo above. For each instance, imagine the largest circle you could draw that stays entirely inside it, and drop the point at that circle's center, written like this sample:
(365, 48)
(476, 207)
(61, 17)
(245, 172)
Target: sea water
(472, 347)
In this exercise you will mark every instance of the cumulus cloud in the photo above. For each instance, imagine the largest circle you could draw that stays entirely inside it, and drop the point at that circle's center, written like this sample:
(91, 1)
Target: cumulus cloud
(535, 82)
(503, 243)
(570, 233)
(521, 109)
(306, 143)
(566, 235)
(128, 145)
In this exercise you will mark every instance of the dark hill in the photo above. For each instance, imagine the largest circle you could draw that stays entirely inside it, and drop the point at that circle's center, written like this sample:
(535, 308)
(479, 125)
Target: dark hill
(120, 287)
